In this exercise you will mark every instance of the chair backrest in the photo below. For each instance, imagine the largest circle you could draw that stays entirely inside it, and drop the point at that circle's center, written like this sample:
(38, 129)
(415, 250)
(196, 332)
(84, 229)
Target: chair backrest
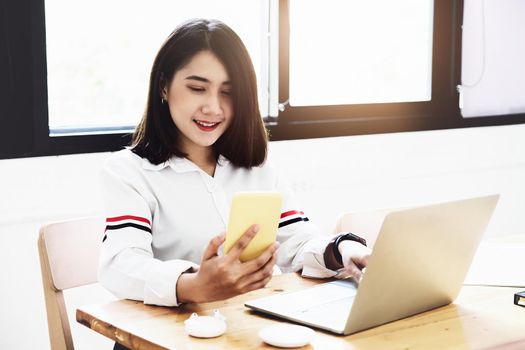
(366, 224)
(69, 252)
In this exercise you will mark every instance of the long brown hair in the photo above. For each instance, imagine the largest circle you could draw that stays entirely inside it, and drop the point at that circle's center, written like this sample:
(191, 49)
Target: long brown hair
(245, 142)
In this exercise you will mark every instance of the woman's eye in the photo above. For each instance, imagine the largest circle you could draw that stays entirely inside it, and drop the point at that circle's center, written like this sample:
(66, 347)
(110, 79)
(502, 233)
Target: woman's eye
(196, 88)
(226, 92)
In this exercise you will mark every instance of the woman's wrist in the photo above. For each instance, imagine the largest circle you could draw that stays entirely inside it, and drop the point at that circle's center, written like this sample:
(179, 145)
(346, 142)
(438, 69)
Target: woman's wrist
(330, 261)
(333, 254)
(187, 288)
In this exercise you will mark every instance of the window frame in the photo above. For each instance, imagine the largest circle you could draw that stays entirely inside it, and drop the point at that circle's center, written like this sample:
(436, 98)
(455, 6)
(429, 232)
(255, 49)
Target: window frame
(24, 108)
(26, 121)
(442, 112)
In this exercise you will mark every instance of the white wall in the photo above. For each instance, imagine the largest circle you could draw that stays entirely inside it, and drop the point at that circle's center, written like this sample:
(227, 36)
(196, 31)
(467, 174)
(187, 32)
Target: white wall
(330, 176)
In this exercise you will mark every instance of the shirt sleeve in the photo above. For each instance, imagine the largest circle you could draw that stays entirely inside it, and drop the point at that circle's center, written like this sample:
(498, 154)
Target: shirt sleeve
(302, 244)
(127, 266)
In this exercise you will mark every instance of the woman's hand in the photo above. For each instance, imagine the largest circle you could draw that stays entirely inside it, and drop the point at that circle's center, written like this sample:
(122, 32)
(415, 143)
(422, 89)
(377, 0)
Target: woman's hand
(355, 258)
(221, 277)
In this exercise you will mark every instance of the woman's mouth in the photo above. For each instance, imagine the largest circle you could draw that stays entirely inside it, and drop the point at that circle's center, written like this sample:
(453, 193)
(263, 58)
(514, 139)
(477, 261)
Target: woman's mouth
(206, 126)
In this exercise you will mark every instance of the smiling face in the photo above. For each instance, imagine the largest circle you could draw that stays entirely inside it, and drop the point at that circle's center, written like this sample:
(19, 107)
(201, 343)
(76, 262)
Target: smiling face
(199, 102)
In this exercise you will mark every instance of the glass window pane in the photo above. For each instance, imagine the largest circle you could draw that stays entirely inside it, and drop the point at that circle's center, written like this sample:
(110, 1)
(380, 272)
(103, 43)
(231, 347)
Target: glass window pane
(353, 51)
(99, 53)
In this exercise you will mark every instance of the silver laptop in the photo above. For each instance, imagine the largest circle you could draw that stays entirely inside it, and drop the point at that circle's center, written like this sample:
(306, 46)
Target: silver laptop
(418, 263)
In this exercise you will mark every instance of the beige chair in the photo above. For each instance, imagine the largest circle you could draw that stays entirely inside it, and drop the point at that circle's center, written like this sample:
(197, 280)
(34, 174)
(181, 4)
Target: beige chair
(68, 258)
(365, 224)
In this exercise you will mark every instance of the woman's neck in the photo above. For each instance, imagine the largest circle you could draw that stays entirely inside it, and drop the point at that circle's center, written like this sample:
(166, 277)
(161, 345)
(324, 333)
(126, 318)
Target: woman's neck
(205, 159)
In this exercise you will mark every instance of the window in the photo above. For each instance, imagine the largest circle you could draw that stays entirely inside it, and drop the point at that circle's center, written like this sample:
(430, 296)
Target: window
(313, 117)
(492, 70)
(76, 82)
(360, 52)
(97, 75)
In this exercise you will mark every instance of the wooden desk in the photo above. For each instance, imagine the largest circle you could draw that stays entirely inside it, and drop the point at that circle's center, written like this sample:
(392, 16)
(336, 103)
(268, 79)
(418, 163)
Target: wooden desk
(480, 318)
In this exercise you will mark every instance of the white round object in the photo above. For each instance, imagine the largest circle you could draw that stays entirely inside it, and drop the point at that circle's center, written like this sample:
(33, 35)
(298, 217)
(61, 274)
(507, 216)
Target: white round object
(286, 335)
(205, 326)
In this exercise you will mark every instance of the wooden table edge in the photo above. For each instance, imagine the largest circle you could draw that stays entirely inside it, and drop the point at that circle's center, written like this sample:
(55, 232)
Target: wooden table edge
(114, 333)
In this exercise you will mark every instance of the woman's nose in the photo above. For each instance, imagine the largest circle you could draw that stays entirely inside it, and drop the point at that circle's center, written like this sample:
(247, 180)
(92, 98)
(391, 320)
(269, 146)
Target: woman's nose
(212, 106)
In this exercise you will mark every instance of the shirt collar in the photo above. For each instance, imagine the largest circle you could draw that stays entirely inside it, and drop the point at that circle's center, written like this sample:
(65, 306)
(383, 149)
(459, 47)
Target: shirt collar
(150, 166)
(222, 161)
(180, 165)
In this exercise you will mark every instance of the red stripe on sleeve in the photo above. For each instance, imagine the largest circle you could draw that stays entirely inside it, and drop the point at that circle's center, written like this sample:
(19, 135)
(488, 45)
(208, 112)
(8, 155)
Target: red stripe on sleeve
(128, 217)
(291, 212)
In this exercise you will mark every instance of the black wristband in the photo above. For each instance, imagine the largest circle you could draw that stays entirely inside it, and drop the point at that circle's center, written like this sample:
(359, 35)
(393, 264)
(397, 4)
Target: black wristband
(345, 237)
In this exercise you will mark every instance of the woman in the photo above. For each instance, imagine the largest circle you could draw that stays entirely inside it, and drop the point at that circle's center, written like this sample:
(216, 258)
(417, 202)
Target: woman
(202, 139)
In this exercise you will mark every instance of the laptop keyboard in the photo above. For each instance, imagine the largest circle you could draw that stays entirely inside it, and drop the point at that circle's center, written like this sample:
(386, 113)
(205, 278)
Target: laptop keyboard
(315, 298)
(332, 314)
(326, 305)
(322, 295)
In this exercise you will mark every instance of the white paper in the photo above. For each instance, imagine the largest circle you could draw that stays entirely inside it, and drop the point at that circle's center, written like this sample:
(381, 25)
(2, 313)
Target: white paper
(498, 264)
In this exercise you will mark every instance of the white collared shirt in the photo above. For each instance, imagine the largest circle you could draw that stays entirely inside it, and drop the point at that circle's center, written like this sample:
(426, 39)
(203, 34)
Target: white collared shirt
(161, 218)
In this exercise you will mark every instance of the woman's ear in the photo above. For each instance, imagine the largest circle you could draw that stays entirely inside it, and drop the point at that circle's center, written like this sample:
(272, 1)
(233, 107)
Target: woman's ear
(163, 88)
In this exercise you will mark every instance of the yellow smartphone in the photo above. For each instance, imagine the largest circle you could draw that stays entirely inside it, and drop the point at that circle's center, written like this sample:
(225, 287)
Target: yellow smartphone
(249, 208)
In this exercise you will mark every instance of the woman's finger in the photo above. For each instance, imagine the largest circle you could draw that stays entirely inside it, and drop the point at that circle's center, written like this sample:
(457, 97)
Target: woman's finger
(257, 285)
(242, 243)
(213, 247)
(349, 270)
(258, 263)
(361, 260)
(261, 273)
